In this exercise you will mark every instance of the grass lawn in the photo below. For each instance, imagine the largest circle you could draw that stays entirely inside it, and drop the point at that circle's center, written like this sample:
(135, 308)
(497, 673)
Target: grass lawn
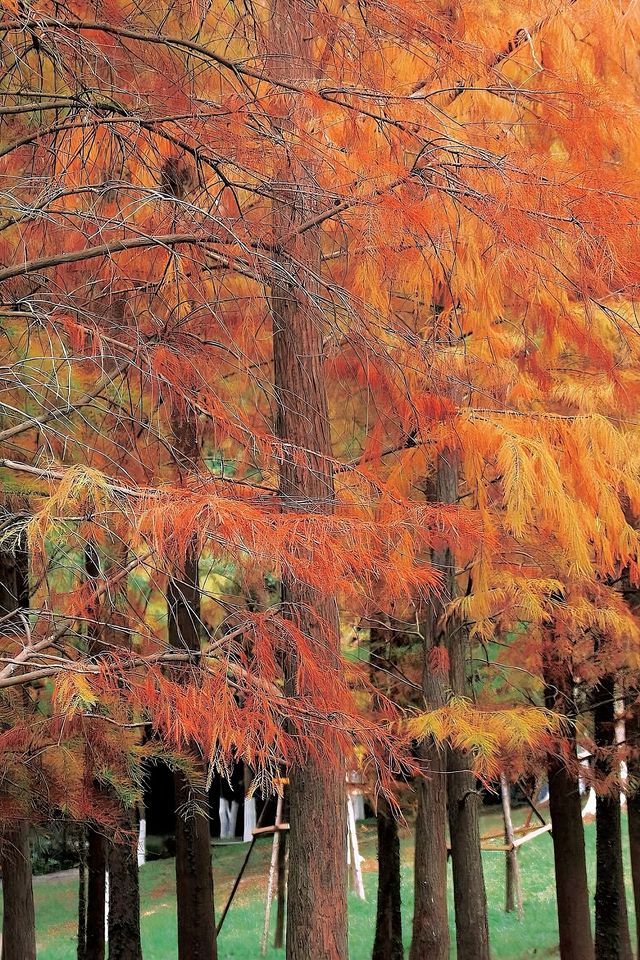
(536, 936)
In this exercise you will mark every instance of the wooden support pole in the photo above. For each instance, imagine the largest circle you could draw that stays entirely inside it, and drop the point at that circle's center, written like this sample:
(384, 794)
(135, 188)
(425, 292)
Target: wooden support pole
(533, 807)
(353, 843)
(513, 896)
(242, 869)
(273, 868)
(281, 892)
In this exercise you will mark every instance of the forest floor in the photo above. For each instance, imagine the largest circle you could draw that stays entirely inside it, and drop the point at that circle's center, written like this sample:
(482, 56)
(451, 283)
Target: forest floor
(535, 937)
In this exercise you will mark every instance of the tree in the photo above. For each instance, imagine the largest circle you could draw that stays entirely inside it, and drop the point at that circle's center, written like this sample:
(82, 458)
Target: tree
(124, 898)
(332, 170)
(388, 935)
(18, 917)
(572, 893)
(317, 796)
(194, 872)
(612, 927)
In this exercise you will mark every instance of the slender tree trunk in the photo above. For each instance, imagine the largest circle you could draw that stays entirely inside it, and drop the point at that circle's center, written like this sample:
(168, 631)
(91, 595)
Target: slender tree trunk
(18, 920)
(124, 901)
(96, 895)
(464, 800)
(612, 941)
(388, 938)
(96, 914)
(82, 895)
(633, 802)
(565, 808)
(430, 934)
(194, 872)
(317, 908)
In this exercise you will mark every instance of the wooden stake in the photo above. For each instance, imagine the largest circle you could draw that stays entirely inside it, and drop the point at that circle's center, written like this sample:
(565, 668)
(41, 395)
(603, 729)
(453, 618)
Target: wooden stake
(353, 844)
(236, 883)
(281, 892)
(273, 867)
(513, 897)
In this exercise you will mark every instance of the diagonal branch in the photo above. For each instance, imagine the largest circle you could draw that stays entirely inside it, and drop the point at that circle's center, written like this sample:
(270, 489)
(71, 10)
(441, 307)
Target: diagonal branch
(65, 409)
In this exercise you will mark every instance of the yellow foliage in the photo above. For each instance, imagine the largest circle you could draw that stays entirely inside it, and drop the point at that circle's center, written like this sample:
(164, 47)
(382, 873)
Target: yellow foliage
(491, 737)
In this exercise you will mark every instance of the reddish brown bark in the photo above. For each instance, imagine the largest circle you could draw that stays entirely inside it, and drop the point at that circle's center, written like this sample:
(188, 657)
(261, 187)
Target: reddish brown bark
(317, 908)
(194, 873)
(18, 918)
(572, 892)
(464, 800)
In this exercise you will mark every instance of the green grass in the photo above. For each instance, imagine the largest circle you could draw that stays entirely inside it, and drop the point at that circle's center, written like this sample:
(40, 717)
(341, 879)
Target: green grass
(536, 936)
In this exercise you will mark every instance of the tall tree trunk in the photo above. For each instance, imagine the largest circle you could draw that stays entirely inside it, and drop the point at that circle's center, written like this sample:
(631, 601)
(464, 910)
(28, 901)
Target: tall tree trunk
(194, 872)
(124, 900)
(388, 936)
(82, 895)
(123, 920)
(612, 941)
(194, 878)
(317, 909)
(430, 935)
(464, 800)
(565, 808)
(96, 895)
(18, 920)
(633, 801)
(96, 915)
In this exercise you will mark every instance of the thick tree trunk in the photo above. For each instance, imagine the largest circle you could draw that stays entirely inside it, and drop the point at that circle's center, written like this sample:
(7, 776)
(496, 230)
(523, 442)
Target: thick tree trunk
(430, 934)
(572, 892)
(612, 941)
(194, 872)
(464, 800)
(96, 895)
(388, 938)
(18, 919)
(194, 878)
(317, 908)
(633, 802)
(124, 901)
(463, 804)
